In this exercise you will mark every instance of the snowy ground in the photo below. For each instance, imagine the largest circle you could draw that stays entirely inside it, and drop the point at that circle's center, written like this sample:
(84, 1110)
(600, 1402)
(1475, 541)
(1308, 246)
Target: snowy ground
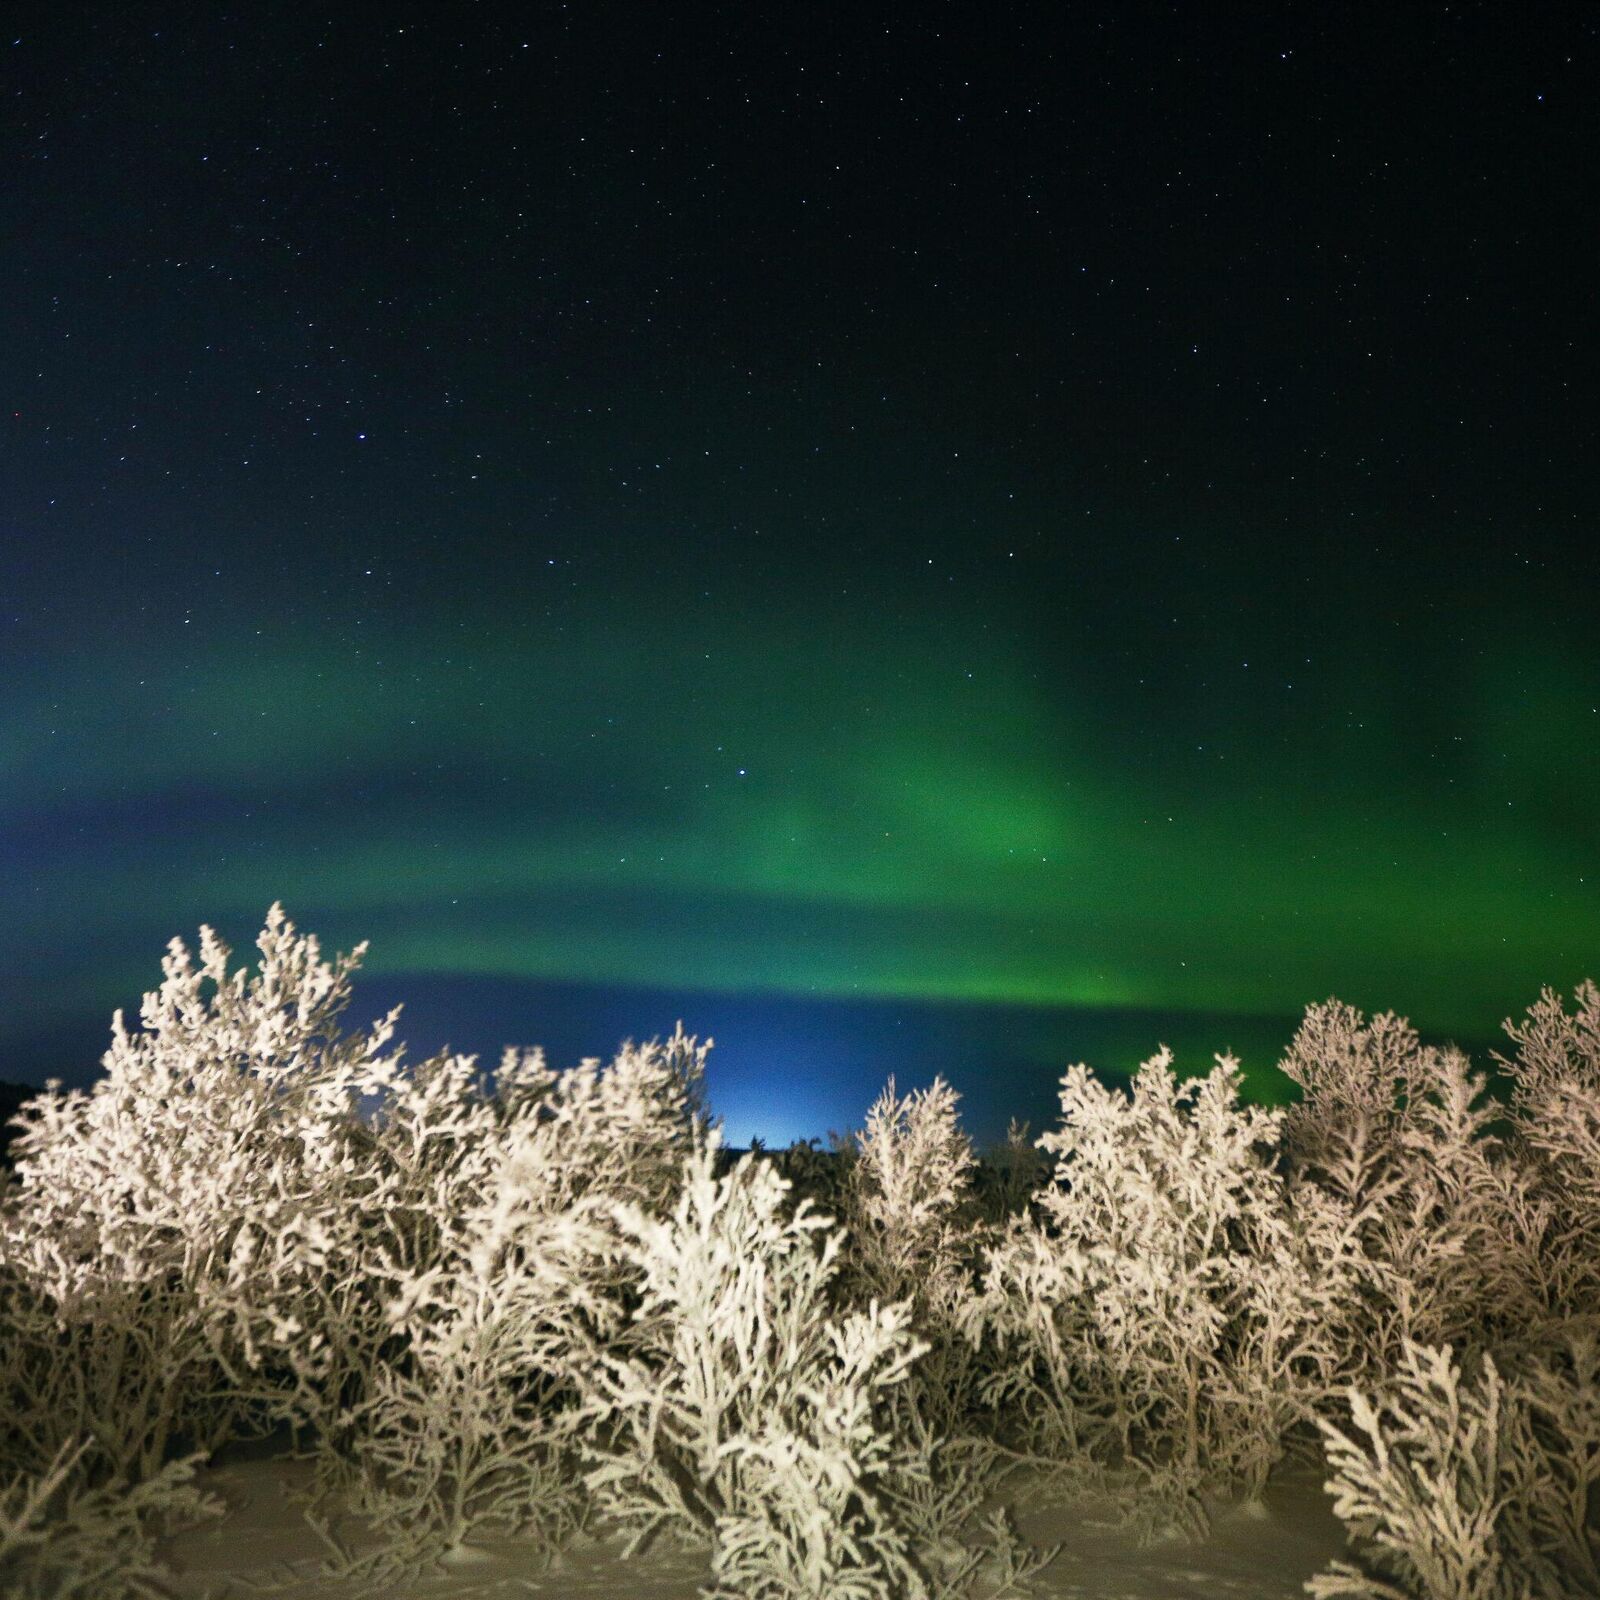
(1265, 1554)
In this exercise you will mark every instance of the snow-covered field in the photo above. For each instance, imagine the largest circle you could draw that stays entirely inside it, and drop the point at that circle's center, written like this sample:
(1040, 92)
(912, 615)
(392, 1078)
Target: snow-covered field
(1263, 1552)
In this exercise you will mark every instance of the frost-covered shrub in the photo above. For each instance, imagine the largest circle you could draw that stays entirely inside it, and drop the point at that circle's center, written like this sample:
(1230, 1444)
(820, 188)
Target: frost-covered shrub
(468, 1428)
(1162, 1313)
(465, 1431)
(169, 1220)
(1561, 1390)
(1456, 1237)
(1462, 1183)
(1555, 1118)
(61, 1539)
(740, 1409)
(908, 1188)
(911, 1233)
(1554, 1050)
(1349, 1071)
(1480, 1487)
(223, 1234)
(511, 1303)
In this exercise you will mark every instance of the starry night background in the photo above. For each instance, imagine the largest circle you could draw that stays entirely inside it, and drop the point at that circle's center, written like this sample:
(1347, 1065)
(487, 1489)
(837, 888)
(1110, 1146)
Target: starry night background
(914, 538)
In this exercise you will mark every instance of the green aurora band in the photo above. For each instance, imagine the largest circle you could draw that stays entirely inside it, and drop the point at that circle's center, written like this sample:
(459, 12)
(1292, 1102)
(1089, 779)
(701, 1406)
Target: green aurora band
(846, 803)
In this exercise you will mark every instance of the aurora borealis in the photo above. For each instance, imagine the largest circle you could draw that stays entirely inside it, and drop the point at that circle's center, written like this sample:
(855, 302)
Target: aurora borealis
(1090, 518)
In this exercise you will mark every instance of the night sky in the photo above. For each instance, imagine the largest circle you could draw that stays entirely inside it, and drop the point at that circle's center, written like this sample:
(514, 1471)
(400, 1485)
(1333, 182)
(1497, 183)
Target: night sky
(915, 538)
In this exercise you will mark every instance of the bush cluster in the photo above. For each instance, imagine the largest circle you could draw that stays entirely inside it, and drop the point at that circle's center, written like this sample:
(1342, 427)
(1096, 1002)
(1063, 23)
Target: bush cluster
(529, 1303)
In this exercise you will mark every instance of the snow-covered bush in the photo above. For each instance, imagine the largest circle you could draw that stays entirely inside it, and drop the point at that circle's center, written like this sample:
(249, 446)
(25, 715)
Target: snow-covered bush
(222, 1234)
(521, 1302)
(62, 1539)
(467, 1430)
(1481, 1487)
(1456, 1236)
(1473, 1467)
(908, 1187)
(1349, 1071)
(1554, 1050)
(912, 1233)
(1161, 1316)
(1555, 1118)
(740, 1409)
(1561, 1390)
(167, 1221)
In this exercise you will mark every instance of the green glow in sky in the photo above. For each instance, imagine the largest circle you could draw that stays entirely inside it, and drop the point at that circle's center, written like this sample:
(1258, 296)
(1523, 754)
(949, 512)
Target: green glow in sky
(843, 804)
(912, 512)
